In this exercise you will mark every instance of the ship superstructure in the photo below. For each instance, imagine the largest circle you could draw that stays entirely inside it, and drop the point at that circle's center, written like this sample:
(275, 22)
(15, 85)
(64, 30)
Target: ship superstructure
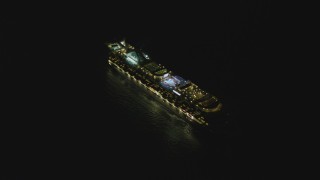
(182, 95)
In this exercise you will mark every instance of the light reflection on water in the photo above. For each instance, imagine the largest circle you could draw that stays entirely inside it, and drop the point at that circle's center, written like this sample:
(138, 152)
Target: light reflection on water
(156, 117)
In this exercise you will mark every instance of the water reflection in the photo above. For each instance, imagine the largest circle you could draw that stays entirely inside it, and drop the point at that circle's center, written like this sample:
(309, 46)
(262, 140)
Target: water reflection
(156, 117)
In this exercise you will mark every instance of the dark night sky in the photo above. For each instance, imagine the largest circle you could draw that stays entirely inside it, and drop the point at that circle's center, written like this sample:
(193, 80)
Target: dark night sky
(53, 77)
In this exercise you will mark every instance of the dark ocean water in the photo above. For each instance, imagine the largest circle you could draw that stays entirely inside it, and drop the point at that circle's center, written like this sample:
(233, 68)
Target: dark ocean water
(68, 115)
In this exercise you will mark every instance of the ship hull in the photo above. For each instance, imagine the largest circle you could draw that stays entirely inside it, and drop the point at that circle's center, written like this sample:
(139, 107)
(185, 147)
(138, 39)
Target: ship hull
(165, 102)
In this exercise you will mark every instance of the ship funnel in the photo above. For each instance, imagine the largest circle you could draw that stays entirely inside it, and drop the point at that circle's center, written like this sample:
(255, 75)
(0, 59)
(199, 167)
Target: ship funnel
(123, 42)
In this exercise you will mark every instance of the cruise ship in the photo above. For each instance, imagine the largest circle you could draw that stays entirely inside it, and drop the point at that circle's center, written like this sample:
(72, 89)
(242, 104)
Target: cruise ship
(185, 97)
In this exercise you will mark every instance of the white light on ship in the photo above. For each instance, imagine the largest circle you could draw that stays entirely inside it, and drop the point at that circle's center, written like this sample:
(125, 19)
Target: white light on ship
(123, 42)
